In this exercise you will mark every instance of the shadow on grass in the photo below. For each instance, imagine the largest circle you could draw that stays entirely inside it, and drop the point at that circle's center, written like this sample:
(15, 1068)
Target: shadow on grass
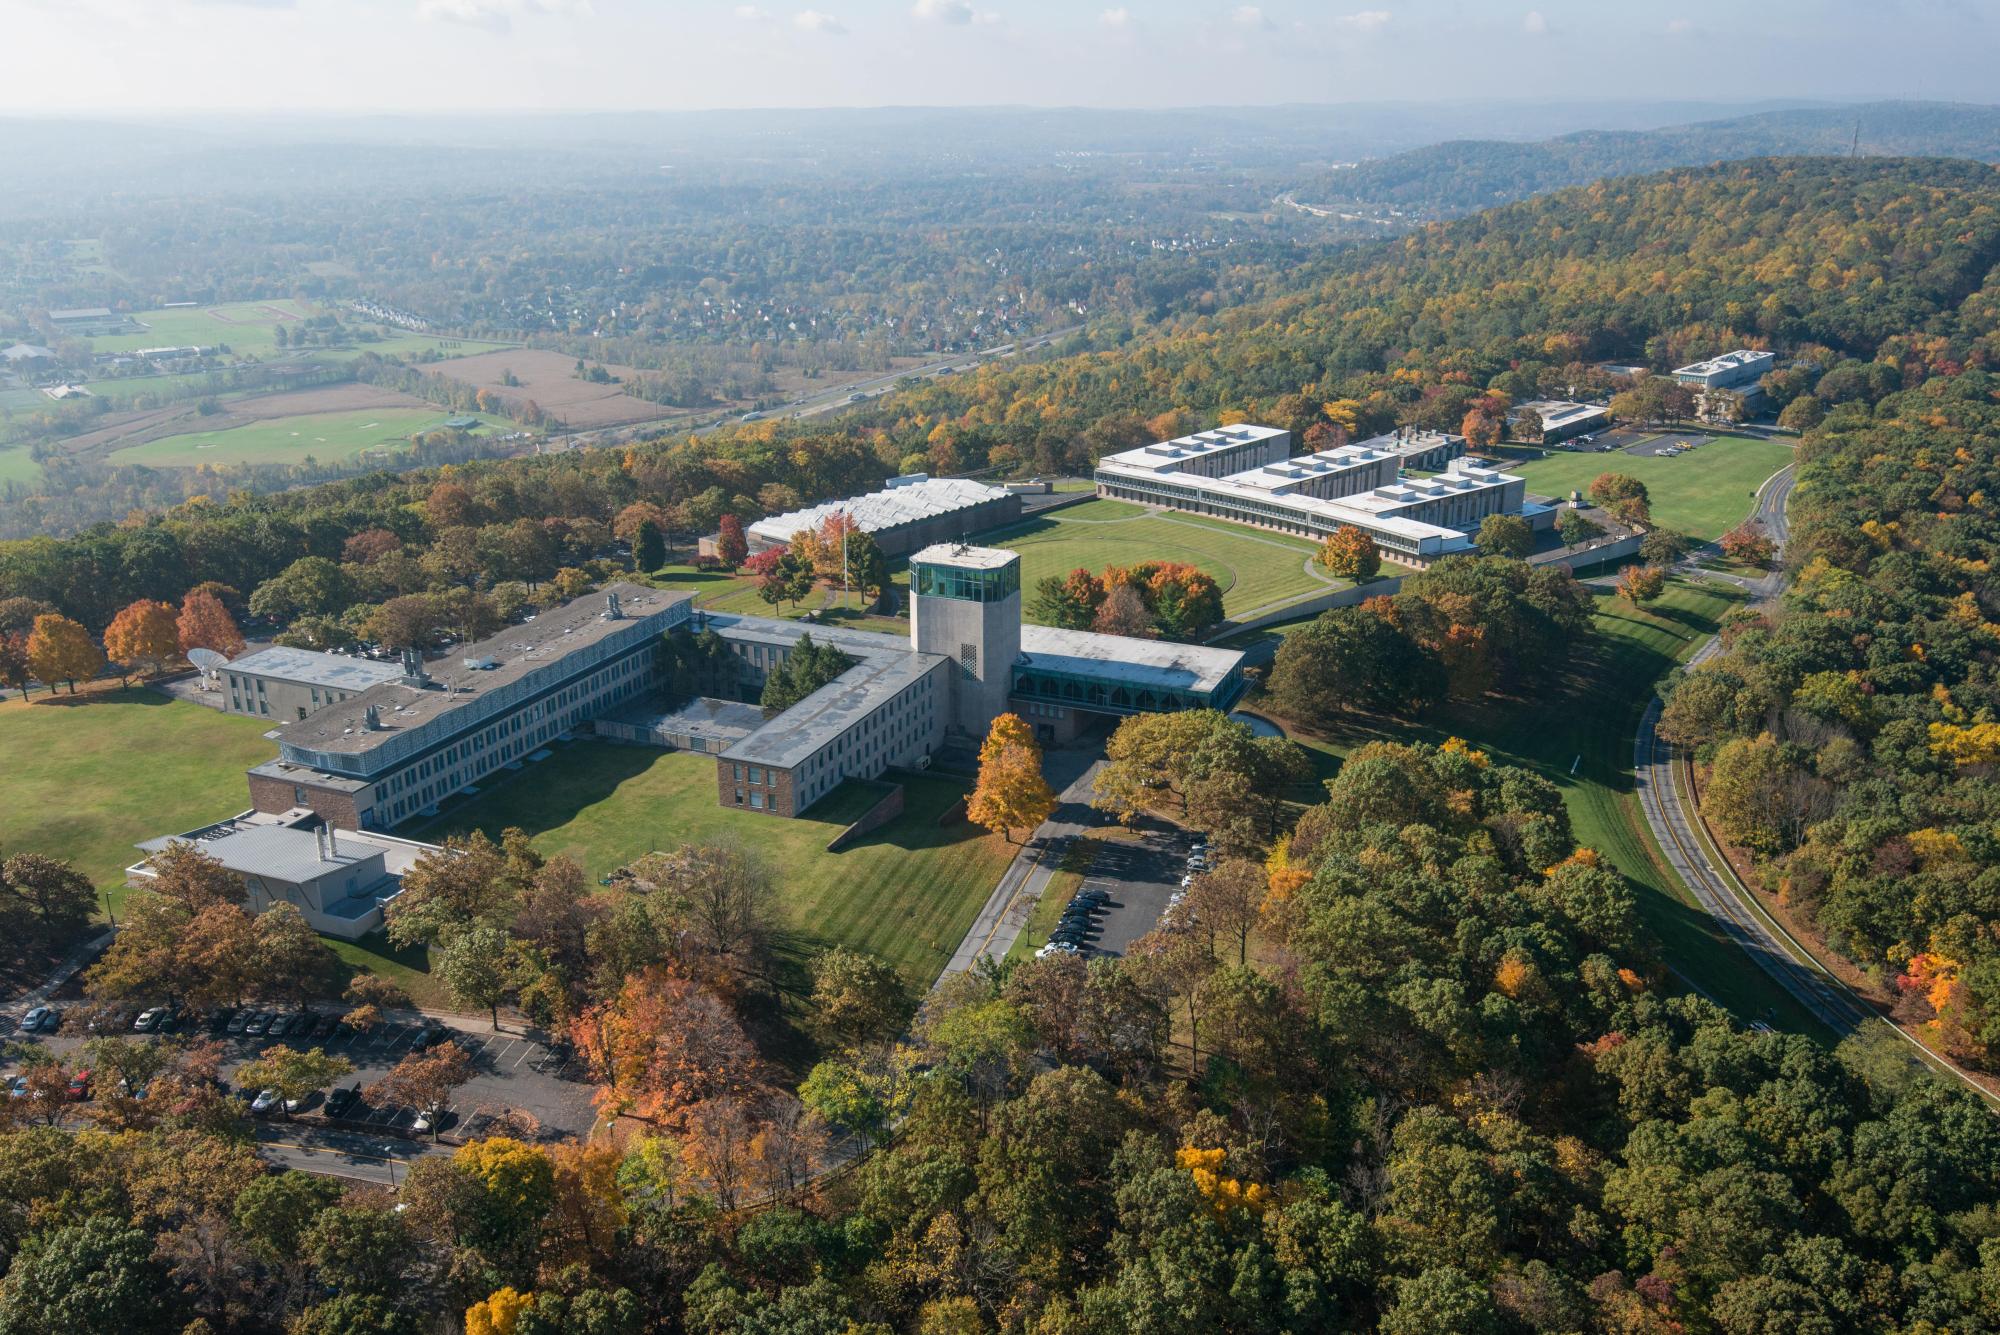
(543, 796)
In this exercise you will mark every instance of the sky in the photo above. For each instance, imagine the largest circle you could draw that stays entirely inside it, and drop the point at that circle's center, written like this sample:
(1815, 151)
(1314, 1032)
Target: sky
(138, 56)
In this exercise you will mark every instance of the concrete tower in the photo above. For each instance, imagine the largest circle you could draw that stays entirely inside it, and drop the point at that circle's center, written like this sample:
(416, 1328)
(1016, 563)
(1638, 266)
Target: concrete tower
(965, 603)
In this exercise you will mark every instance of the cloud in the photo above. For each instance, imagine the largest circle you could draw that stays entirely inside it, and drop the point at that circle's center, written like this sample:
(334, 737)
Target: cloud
(943, 11)
(752, 14)
(1250, 16)
(813, 20)
(495, 15)
(1116, 18)
(1535, 21)
(1367, 20)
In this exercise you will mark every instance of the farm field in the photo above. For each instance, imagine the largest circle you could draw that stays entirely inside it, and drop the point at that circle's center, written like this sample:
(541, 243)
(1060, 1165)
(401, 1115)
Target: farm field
(1703, 493)
(551, 381)
(324, 436)
(1254, 568)
(18, 465)
(908, 892)
(87, 780)
(249, 328)
(1578, 735)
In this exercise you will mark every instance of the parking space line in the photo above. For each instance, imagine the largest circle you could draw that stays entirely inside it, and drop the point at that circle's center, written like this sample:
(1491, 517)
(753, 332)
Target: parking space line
(527, 1051)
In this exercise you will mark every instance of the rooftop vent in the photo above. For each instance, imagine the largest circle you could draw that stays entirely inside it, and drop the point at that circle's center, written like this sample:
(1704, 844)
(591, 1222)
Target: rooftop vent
(413, 669)
(372, 719)
(611, 612)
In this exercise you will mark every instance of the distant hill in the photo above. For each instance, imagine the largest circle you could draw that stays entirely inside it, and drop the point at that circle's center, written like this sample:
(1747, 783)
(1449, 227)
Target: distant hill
(1465, 175)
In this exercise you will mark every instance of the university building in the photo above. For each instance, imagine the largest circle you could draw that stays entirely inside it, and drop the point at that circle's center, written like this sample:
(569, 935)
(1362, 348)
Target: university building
(1414, 492)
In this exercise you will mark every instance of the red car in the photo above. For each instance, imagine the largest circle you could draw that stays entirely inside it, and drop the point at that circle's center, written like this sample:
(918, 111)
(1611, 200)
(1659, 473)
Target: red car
(79, 1086)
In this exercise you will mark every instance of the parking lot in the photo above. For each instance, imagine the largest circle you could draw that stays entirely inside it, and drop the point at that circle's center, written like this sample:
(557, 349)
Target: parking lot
(512, 1074)
(1140, 876)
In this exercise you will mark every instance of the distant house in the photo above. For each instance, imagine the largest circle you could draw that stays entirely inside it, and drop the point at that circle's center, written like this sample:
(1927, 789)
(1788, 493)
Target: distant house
(68, 392)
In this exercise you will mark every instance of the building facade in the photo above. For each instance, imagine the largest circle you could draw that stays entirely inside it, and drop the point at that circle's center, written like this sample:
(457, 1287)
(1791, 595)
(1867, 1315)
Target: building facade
(1731, 370)
(1561, 419)
(398, 748)
(288, 685)
(910, 512)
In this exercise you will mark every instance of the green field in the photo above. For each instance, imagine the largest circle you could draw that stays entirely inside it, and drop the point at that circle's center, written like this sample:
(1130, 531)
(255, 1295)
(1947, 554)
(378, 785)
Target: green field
(1578, 733)
(17, 465)
(87, 780)
(1703, 493)
(1254, 568)
(324, 436)
(908, 892)
(250, 329)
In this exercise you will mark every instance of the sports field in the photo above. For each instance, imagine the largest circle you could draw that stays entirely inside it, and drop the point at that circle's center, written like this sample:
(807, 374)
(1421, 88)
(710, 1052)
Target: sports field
(88, 776)
(907, 892)
(324, 436)
(1703, 493)
(1255, 569)
(250, 329)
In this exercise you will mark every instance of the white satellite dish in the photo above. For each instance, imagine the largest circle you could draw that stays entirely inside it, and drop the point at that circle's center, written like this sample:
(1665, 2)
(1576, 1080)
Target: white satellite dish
(208, 660)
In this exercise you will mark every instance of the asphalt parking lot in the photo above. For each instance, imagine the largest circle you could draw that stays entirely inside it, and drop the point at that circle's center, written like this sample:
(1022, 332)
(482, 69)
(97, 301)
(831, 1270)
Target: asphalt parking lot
(512, 1074)
(1140, 875)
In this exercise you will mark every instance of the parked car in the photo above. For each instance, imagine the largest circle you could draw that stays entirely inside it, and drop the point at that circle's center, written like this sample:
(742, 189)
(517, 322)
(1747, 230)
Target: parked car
(324, 1026)
(258, 1024)
(342, 1101)
(239, 1022)
(79, 1086)
(265, 1103)
(17, 1088)
(426, 1118)
(1056, 948)
(149, 1019)
(218, 1021)
(427, 1038)
(41, 1017)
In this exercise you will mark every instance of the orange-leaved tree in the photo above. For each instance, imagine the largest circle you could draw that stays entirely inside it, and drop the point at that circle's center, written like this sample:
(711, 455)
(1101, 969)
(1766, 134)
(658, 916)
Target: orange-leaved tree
(663, 1045)
(1641, 584)
(1349, 553)
(61, 650)
(143, 636)
(206, 624)
(1011, 794)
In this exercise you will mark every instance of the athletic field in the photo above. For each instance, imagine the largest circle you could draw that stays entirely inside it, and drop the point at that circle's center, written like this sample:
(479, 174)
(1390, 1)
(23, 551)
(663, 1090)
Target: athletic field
(324, 436)
(1704, 493)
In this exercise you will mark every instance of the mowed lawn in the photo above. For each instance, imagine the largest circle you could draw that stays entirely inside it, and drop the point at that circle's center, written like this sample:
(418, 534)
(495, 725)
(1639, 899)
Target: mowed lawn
(1577, 730)
(324, 436)
(908, 892)
(1253, 568)
(1703, 493)
(249, 328)
(87, 780)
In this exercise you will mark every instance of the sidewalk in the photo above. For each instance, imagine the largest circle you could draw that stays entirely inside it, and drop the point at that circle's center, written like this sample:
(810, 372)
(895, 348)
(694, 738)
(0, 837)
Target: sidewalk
(1006, 911)
(72, 964)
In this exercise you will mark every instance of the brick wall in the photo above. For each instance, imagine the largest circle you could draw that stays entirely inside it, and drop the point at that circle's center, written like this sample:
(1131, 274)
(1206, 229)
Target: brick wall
(336, 809)
(777, 789)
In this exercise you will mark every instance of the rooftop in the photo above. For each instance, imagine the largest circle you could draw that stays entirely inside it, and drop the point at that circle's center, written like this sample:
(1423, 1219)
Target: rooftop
(311, 668)
(877, 510)
(1169, 455)
(725, 720)
(1728, 361)
(1127, 661)
(965, 557)
(1561, 412)
(473, 673)
(82, 313)
(22, 352)
(1411, 440)
(793, 736)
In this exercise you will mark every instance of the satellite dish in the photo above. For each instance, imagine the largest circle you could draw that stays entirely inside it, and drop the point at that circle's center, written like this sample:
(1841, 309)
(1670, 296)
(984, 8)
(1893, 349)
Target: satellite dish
(206, 659)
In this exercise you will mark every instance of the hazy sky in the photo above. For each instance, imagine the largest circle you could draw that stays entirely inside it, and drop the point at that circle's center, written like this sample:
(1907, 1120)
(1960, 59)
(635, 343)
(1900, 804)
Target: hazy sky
(138, 55)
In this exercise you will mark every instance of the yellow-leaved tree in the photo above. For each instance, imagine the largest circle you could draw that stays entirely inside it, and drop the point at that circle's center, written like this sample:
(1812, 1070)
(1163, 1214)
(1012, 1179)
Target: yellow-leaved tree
(500, 1314)
(1011, 794)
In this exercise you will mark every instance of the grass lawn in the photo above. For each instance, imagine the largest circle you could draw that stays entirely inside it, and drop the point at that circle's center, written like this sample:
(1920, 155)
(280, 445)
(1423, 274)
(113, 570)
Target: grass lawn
(1578, 733)
(87, 780)
(324, 436)
(1703, 493)
(907, 892)
(1254, 568)
(250, 329)
(18, 465)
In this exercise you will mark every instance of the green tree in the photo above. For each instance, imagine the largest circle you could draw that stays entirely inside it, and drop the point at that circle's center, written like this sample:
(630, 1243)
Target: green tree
(1351, 659)
(856, 998)
(473, 966)
(296, 1073)
(95, 1275)
(1505, 535)
(649, 549)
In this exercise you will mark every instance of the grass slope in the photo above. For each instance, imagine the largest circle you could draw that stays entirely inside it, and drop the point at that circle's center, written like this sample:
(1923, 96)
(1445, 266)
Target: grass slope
(87, 780)
(324, 436)
(907, 892)
(1703, 493)
(1578, 733)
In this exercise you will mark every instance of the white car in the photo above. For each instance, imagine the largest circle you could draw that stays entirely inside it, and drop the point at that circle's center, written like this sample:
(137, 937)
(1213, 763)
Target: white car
(1056, 948)
(266, 1100)
(425, 1120)
(1187, 881)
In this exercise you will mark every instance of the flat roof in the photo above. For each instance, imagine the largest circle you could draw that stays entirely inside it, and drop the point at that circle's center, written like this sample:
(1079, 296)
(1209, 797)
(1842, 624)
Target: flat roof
(1125, 660)
(1727, 361)
(515, 653)
(81, 313)
(283, 853)
(1170, 455)
(875, 511)
(1561, 412)
(703, 716)
(778, 631)
(311, 668)
(792, 737)
(965, 557)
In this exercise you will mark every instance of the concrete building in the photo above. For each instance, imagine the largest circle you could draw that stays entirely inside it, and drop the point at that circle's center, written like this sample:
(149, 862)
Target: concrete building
(287, 685)
(1561, 419)
(910, 512)
(339, 880)
(86, 321)
(1245, 474)
(1731, 370)
(398, 748)
(969, 659)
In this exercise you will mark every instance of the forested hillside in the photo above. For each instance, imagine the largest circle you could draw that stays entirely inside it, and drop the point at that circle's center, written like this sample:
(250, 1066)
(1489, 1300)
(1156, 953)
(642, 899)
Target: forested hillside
(1441, 180)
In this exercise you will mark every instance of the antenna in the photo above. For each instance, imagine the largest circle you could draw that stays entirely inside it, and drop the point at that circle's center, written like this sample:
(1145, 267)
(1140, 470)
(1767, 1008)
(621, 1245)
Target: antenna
(1854, 149)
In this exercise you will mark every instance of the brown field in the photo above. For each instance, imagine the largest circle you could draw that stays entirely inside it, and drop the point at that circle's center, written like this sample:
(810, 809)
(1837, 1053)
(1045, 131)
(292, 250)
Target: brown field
(550, 379)
(137, 428)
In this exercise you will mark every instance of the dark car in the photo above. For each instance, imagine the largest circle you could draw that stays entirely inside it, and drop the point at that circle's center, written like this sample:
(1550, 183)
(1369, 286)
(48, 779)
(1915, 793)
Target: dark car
(342, 1101)
(324, 1026)
(427, 1038)
(239, 1022)
(219, 1021)
(281, 1025)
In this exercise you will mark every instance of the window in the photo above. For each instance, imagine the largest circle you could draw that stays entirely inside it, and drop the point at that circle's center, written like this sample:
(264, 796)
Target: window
(302, 711)
(757, 801)
(298, 796)
(739, 797)
(756, 774)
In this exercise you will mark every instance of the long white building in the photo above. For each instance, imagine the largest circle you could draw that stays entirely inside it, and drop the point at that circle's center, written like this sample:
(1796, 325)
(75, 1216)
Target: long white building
(1246, 474)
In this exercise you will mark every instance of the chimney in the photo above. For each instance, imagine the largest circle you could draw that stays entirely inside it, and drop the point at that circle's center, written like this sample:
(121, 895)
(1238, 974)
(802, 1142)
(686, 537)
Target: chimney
(413, 668)
(319, 843)
(373, 719)
(332, 843)
(611, 612)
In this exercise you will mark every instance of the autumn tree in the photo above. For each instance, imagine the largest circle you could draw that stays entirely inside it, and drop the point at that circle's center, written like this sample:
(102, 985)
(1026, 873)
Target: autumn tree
(423, 1080)
(662, 1045)
(1349, 553)
(296, 1073)
(1641, 583)
(1011, 793)
(1123, 612)
(44, 899)
(1624, 496)
(143, 637)
(16, 670)
(1070, 601)
(61, 650)
(731, 547)
(204, 623)
(1749, 543)
(1505, 535)
(1226, 900)
(856, 998)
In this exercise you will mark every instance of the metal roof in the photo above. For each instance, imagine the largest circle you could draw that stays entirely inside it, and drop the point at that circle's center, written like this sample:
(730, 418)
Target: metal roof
(794, 736)
(283, 853)
(1126, 661)
(879, 510)
(310, 668)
